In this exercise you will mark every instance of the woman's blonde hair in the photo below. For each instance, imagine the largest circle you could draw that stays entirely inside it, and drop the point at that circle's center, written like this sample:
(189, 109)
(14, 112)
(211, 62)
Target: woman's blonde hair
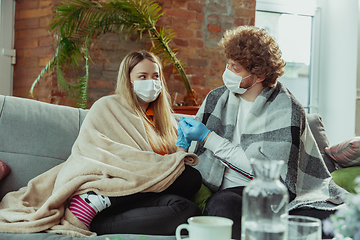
(256, 51)
(161, 131)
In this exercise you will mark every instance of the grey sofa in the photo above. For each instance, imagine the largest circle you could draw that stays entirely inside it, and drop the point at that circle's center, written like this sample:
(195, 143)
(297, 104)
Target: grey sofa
(36, 136)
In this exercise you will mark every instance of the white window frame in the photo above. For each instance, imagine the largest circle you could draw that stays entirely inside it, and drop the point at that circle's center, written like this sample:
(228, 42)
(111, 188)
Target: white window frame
(298, 7)
(7, 51)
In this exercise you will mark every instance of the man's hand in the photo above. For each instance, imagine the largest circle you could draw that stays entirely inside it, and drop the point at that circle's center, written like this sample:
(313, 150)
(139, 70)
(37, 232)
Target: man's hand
(193, 130)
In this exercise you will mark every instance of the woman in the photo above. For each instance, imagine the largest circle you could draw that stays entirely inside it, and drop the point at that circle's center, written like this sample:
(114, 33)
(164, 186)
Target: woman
(150, 213)
(124, 167)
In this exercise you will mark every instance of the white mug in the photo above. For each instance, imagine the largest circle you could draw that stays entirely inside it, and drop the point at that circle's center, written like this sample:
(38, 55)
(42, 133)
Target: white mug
(206, 228)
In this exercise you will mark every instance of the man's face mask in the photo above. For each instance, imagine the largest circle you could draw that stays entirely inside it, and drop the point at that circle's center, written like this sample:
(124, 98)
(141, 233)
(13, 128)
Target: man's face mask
(233, 81)
(147, 90)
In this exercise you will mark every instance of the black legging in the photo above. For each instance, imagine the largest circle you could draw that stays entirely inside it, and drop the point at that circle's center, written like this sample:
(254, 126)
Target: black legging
(228, 203)
(151, 213)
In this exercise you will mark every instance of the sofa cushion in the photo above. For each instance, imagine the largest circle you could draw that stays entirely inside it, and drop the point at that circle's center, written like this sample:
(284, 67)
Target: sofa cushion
(37, 128)
(345, 177)
(4, 170)
(34, 137)
(318, 130)
(347, 153)
(23, 168)
(201, 197)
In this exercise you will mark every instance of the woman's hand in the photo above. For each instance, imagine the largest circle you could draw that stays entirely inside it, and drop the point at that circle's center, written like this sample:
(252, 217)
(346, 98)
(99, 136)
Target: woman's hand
(182, 142)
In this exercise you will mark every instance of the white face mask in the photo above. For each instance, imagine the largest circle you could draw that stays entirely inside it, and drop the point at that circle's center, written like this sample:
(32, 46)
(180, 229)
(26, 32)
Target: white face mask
(147, 90)
(233, 81)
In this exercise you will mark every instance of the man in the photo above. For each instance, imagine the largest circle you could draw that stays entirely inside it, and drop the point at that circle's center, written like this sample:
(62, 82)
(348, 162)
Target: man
(255, 116)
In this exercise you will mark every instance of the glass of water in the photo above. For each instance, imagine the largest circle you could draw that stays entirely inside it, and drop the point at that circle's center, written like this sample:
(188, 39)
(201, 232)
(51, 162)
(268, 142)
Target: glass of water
(304, 228)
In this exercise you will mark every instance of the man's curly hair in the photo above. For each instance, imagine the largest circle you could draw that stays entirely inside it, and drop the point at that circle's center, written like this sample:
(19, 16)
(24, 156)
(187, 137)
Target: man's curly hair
(256, 51)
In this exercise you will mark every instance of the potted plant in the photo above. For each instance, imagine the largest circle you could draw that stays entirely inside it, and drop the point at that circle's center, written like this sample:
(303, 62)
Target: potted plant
(77, 22)
(344, 224)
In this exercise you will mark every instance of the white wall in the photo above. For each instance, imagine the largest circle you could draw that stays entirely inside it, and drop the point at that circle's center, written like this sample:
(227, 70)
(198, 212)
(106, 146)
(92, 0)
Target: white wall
(338, 67)
(7, 10)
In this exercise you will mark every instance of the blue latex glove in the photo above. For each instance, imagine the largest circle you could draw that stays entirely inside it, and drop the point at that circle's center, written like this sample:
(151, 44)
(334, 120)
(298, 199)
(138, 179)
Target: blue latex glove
(182, 141)
(193, 130)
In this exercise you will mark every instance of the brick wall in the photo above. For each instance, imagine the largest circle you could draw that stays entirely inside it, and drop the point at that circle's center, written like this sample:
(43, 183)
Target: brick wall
(34, 47)
(198, 24)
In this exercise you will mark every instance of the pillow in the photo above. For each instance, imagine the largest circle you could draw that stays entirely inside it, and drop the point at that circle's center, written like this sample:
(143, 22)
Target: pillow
(317, 128)
(4, 170)
(201, 197)
(346, 154)
(345, 177)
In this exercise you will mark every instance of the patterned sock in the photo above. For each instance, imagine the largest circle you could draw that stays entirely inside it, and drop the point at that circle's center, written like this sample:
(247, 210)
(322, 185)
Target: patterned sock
(87, 205)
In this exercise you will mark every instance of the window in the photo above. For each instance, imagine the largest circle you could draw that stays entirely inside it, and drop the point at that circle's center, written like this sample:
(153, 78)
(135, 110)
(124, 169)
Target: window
(294, 32)
(7, 53)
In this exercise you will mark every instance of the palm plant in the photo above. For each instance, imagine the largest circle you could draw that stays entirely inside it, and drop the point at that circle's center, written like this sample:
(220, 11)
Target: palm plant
(76, 22)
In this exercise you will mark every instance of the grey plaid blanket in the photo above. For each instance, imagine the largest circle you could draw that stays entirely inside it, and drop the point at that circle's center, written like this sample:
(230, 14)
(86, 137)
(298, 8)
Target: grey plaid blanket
(277, 128)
